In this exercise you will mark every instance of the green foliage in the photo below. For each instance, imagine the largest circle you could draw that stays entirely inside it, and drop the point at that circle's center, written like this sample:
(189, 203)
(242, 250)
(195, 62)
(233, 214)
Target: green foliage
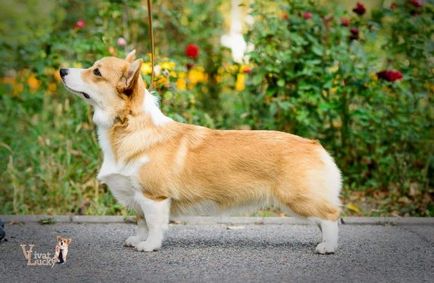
(307, 77)
(311, 79)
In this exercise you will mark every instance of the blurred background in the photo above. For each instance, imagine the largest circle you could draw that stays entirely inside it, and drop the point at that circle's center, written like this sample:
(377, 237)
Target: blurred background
(357, 75)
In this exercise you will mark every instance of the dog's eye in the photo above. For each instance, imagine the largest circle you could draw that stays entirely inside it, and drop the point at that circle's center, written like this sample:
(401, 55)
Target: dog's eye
(96, 72)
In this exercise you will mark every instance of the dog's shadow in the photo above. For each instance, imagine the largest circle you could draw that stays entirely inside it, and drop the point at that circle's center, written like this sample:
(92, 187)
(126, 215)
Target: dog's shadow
(236, 243)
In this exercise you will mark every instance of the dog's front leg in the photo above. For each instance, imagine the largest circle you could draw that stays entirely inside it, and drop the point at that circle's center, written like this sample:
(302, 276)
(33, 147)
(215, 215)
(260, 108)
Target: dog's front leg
(64, 254)
(57, 253)
(156, 213)
(141, 232)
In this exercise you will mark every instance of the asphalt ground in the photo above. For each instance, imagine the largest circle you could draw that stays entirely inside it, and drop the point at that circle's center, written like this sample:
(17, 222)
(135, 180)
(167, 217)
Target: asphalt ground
(225, 252)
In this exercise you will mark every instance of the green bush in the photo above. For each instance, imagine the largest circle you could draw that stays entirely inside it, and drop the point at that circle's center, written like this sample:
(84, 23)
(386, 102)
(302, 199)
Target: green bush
(313, 78)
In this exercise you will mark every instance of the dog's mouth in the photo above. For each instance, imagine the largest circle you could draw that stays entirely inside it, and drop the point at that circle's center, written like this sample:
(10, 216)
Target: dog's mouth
(85, 95)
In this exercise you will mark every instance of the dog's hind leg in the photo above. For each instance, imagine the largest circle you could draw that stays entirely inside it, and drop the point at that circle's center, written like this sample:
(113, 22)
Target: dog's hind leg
(329, 230)
(156, 213)
(326, 216)
(324, 209)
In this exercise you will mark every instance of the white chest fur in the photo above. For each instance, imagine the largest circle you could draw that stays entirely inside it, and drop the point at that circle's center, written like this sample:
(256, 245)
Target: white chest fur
(121, 178)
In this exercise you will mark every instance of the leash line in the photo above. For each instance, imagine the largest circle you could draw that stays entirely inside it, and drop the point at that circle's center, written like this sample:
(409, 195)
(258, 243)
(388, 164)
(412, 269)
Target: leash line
(151, 35)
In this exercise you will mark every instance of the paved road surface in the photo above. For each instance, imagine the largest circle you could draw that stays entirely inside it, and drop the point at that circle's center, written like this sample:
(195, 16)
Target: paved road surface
(215, 253)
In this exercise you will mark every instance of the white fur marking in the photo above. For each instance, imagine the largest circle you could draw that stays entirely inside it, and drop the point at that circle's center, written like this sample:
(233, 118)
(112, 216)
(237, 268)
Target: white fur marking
(120, 178)
(141, 234)
(329, 242)
(332, 178)
(157, 218)
(102, 119)
(150, 106)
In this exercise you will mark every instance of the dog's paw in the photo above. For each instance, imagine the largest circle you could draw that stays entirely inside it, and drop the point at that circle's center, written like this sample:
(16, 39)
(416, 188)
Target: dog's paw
(325, 248)
(147, 246)
(132, 241)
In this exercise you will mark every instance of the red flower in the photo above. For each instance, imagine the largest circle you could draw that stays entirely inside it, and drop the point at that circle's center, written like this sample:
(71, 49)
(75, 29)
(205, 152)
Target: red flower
(247, 70)
(390, 75)
(345, 22)
(359, 9)
(307, 15)
(354, 34)
(80, 24)
(192, 51)
(417, 3)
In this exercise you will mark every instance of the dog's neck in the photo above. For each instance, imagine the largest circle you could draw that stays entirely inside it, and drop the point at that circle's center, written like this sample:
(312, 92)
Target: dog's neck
(149, 108)
(148, 118)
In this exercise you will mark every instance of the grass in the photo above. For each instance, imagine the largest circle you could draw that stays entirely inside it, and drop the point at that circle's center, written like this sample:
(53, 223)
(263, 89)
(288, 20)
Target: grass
(50, 157)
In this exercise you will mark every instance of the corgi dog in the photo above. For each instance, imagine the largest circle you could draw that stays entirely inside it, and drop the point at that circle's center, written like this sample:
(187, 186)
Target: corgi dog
(61, 249)
(157, 166)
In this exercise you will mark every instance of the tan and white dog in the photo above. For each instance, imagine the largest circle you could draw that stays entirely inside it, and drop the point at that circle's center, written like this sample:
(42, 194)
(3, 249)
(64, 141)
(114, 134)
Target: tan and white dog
(158, 166)
(61, 249)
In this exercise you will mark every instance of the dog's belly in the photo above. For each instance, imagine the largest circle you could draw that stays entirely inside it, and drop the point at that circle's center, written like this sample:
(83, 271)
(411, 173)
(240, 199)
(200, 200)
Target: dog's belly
(208, 207)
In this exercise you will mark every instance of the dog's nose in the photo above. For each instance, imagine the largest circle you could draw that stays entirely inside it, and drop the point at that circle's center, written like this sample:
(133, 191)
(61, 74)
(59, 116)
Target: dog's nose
(63, 72)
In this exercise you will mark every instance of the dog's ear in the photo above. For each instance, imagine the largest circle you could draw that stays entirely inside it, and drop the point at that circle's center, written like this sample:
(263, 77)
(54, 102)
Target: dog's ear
(58, 238)
(131, 56)
(69, 241)
(129, 80)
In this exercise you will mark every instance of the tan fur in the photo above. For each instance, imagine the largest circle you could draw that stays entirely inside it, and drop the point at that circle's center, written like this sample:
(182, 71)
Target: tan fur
(192, 164)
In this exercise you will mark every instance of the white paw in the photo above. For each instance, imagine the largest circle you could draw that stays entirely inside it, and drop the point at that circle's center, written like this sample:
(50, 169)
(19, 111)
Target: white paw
(325, 248)
(132, 241)
(148, 246)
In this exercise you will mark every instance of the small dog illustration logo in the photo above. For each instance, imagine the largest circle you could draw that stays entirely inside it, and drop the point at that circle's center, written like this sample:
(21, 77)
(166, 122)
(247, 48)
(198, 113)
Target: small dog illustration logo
(61, 250)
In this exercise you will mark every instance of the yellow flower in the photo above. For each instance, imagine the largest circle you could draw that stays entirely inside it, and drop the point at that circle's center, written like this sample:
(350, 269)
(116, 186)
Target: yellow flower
(18, 88)
(373, 76)
(196, 75)
(52, 87)
(146, 68)
(240, 83)
(181, 84)
(33, 82)
(162, 81)
(168, 65)
(232, 68)
(56, 76)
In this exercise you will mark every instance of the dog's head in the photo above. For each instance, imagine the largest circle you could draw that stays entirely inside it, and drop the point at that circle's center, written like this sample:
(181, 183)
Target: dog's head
(109, 85)
(63, 242)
